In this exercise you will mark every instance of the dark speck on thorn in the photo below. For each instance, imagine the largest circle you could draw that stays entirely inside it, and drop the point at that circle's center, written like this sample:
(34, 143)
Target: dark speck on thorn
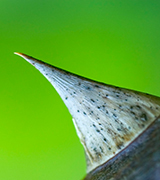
(114, 115)
(138, 107)
(143, 117)
(96, 86)
(92, 100)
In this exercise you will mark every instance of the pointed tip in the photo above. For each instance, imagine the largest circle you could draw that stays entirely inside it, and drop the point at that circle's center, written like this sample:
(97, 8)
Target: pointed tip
(30, 59)
(22, 55)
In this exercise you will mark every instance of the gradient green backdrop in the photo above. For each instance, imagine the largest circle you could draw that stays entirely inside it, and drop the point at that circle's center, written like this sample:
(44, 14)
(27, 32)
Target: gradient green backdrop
(116, 42)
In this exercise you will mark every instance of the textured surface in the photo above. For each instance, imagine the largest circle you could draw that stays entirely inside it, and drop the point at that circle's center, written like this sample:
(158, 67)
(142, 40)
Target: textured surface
(139, 161)
(116, 42)
(106, 118)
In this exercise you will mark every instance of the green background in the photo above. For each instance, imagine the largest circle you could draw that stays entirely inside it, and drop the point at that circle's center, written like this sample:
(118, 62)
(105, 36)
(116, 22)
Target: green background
(116, 42)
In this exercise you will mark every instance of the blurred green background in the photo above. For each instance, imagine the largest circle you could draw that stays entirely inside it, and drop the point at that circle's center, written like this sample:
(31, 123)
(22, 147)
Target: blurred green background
(116, 42)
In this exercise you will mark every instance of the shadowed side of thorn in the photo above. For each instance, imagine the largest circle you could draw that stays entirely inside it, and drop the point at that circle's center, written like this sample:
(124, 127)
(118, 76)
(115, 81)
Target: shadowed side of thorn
(140, 160)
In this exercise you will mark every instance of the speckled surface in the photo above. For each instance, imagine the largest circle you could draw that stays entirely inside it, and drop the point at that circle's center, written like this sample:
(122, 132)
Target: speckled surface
(107, 118)
(139, 161)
